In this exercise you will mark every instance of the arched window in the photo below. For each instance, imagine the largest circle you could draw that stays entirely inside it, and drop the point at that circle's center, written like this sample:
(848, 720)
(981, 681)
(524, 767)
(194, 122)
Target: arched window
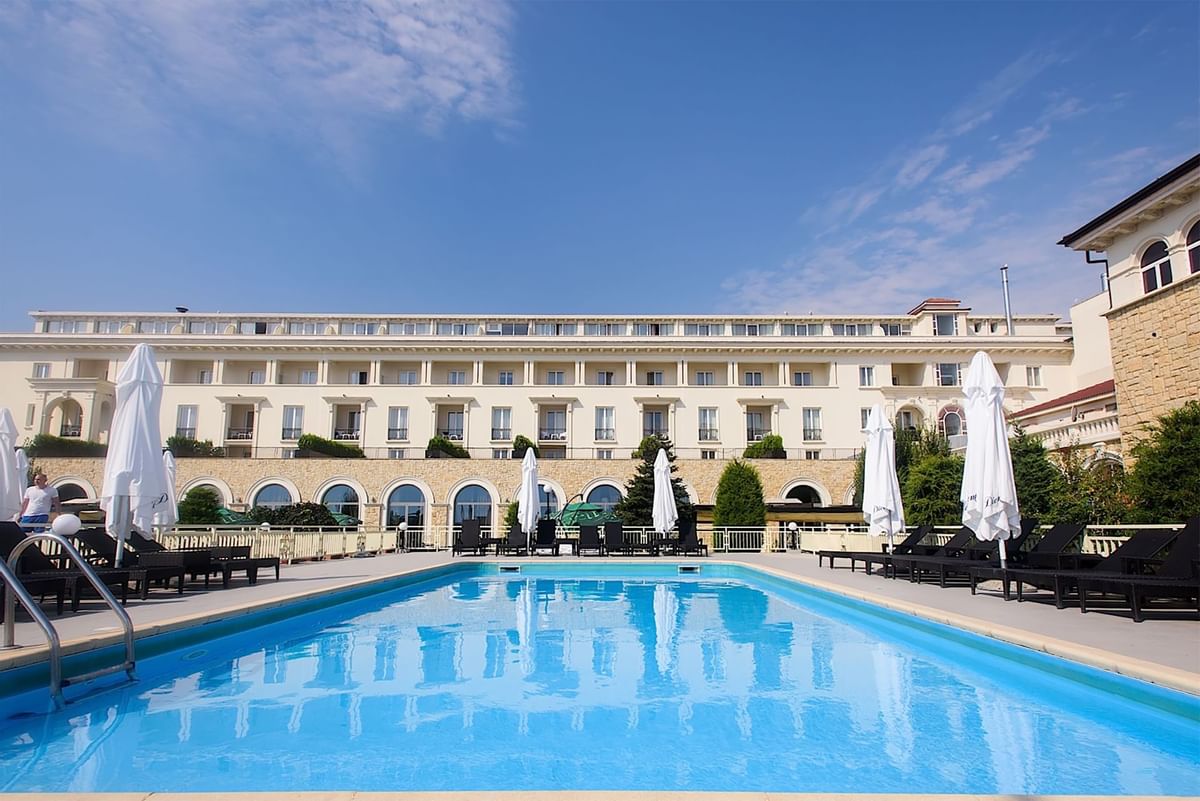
(605, 496)
(549, 501)
(804, 494)
(1156, 267)
(272, 496)
(951, 421)
(341, 499)
(908, 418)
(70, 492)
(472, 503)
(211, 488)
(406, 504)
(1193, 247)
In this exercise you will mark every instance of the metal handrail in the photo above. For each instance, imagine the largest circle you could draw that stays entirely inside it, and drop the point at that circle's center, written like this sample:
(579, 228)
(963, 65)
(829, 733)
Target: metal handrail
(11, 593)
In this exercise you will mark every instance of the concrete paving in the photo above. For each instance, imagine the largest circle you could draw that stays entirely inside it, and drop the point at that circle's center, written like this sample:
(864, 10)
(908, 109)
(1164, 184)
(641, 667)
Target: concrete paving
(1165, 648)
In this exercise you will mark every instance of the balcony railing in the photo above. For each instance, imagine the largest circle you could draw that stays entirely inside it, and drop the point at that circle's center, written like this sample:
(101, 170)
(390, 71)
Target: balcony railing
(345, 433)
(397, 433)
(654, 432)
(75, 431)
(811, 434)
(756, 434)
(240, 433)
(455, 434)
(182, 433)
(552, 434)
(502, 433)
(606, 434)
(709, 435)
(291, 433)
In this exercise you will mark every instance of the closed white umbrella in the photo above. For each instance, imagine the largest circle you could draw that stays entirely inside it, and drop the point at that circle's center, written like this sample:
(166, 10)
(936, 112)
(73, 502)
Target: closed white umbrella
(12, 486)
(22, 471)
(134, 479)
(166, 513)
(529, 505)
(989, 493)
(882, 508)
(664, 514)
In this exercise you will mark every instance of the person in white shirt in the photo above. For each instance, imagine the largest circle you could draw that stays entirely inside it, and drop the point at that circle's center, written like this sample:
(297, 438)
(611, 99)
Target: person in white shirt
(40, 501)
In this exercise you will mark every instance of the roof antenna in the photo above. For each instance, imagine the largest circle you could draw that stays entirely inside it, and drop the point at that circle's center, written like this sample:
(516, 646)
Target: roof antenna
(1007, 305)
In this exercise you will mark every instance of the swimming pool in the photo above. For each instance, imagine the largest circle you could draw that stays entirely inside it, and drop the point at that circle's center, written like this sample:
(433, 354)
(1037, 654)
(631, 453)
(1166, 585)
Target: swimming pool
(608, 677)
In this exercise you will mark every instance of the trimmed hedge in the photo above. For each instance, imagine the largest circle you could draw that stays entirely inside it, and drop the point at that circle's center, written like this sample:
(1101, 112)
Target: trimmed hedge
(769, 447)
(48, 446)
(183, 447)
(327, 447)
(739, 497)
(522, 443)
(441, 448)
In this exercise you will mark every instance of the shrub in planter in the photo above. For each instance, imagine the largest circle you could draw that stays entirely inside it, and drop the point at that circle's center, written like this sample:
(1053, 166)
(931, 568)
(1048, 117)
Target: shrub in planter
(441, 448)
(183, 447)
(200, 506)
(47, 446)
(739, 497)
(303, 515)
(769, 447)
(327, 447)
(522, 443)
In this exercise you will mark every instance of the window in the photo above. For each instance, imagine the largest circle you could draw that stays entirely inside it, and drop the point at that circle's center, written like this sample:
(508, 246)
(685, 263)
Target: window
(907, 420)
(1193, 248)
(755, 428)
(993, 327)
(472, 503)
(708, 455)
(1033, 376)
(408, 329)
(604, 378)
(453, 329)
(357, 329)
(554, 377)
(812, 455)
(852, 329)
(866, 376)
(109, 326)
(272, 496)
(753, 329)
(501, 453)
(709, 430)
(812, 424)
(341, 499)
(604, 453)
(505, 378)
(652, 424)
(307, 329)
(406, 377)
(554, 425)
(308, 376)
(802, 378)
(185, 422)
(802, 329)
(456, 377)
(204, 376)
(501, 422)
(945, 325)
(604, 329)
(606, 428)
(153, 327)
(256, 377)
(704, 329)
(454, 426)
(653, 329)
(30, 411)
(704, 378)
(654, 378)
(555, 329)
(397, 453)
(1156, 267)
(66, 327)
(951, 422)
(949, 375)
(252, 328)
(896, 329)
(507, 329)
(397, 422)
(357, 377)
(863, 415)
(293, 422)
(753, 378)
(41, 370)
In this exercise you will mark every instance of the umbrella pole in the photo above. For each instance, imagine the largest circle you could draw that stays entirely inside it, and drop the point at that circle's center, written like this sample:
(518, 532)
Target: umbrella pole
(1003, 556)
(891, 543)
(121, 523)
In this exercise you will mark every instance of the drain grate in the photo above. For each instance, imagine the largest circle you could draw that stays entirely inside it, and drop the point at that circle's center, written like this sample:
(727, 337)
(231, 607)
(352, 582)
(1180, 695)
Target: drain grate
(688, 569)
(510, 568)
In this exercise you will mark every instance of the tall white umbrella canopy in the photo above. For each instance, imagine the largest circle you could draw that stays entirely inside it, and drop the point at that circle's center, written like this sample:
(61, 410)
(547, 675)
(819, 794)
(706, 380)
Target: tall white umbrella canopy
(882, 508)
(134, 479)
(529, 504)
(989, 493)
(166, 512)
(12, 485)
(664, 513)
(22, 471)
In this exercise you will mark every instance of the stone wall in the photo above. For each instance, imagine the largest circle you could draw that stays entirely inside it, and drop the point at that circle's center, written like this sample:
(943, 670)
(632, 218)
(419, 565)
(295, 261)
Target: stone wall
(440, 479)
(1156, 356)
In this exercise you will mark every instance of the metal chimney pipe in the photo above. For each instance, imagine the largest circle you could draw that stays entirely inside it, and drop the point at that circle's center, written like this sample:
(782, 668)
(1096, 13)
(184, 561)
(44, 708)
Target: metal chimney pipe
(1007, 303)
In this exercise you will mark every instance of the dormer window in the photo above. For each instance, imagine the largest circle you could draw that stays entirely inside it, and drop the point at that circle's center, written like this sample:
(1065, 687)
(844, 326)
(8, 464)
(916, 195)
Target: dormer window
(945, 325)
(1193, 248)
(252, 328)
(1156, 267)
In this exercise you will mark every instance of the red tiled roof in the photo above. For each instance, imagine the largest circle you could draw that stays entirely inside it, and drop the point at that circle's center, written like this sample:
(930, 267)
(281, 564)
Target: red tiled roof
(1087, 393)
(935, 302)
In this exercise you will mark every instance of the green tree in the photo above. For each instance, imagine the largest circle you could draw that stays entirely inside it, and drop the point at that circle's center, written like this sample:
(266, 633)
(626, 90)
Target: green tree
(300, 515)
(769, 447)
(912, 445)
(199, 507)
(1165, 479)
(637, 507)
(1033, 473)
(1087, 492)
(510, 516)
(739, 497)
(932, 489)
(522, 443)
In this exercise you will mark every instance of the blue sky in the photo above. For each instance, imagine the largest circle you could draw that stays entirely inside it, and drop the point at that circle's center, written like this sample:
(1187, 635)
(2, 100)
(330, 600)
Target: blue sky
(645, 158)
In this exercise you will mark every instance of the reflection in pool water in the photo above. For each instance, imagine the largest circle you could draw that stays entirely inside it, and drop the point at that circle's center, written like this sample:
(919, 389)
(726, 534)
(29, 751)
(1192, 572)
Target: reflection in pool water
(540, 683)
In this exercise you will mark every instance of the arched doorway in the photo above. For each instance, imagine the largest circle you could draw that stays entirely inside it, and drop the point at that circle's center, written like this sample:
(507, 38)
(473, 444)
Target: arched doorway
(272, 496)
(804, 494)
(473, 502)
(605, 496)
(341, 499)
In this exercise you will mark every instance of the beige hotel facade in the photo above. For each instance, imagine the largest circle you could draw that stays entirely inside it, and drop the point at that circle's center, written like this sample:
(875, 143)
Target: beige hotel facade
(585, 388)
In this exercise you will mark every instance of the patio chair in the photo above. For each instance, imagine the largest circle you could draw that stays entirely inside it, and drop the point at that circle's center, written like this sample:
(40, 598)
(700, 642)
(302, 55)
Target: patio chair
(546, 536)
(958, 565)
(589, 540)
(1054, 542)
(98, 542)
(614, 538)
(468, 538)
(35, 566)
(893, 563)
(668, 543)
(689, 542)
(517, 543)
(1176, 578)
(196, 561)
(905, 546)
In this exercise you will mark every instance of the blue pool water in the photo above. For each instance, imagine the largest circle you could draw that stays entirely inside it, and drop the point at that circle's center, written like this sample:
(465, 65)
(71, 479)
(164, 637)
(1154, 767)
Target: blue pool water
(728, 681)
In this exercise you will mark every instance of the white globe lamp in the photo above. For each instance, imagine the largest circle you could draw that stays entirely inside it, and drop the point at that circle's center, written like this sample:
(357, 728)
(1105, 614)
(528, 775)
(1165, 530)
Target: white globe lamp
(66, 525)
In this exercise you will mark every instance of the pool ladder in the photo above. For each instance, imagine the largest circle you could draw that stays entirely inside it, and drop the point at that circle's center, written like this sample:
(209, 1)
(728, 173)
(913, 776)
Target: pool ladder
(14, 591)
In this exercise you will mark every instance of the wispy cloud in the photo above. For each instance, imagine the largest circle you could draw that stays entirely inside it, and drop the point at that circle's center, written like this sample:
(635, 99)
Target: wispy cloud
(143, 71)
(986, 100)
(917, 167)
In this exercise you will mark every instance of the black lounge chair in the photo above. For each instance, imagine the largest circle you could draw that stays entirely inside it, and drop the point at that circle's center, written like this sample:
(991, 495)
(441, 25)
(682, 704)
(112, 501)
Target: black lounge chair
(689, 542)
(98, 542)
(614, 538)
(958, 564)
(222, 560)
(1176, 578)
(1058, 540)
(468, 539)
(957, 544)
(35, 566)
(516, 543)
(546, 536)
(589, 540)
(905, 546)
(1130, 557)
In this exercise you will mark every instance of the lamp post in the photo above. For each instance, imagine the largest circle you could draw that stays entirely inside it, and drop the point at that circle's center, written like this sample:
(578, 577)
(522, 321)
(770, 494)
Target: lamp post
(401, 536)
(792, 529)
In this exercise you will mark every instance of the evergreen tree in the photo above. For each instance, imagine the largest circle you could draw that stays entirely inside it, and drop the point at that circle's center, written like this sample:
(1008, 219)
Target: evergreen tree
(1165, 479)
(739, 497)
(1086, 492)
(931, 492)
(199, 507)
(1033, 473)
(637, 507)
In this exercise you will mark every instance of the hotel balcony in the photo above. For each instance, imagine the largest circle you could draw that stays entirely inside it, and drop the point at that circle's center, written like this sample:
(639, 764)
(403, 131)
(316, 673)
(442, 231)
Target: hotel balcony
(452, 434)
(552, 434)
(346, 433)
(655, 431)
(239, 434)
(756, 434)
(71, 430)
